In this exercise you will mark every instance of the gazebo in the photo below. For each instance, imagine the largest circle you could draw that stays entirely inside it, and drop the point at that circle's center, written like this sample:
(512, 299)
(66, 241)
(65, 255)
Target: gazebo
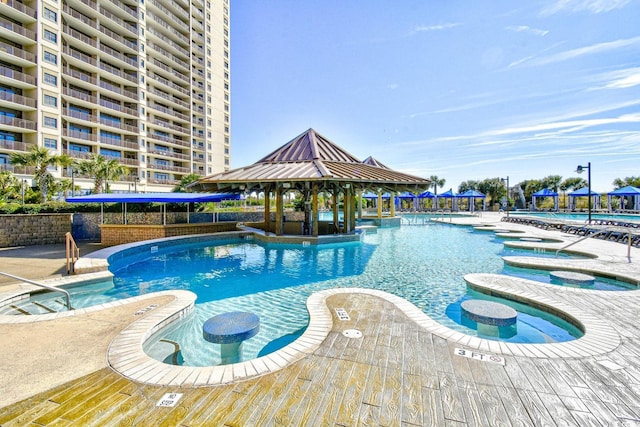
(545, 192)
(583, 192)
(448, 195)
(310, 164)
(627, 191)
(471, 196)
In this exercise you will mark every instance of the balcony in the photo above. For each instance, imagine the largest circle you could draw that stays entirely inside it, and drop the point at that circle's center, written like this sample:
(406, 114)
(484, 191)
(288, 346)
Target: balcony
(172, 32)
(17, 123)
(17, 75)
(122, 126)
(118, 107)
(120, 142)
(168, 125)
(167, 153)
(167, 139)
(168, 111)
(17, 55)
(121, 22)
(79, 55)
(158, 78)
(78, 94)
(17, 6)
(22, 101)
(77, 35)
(115, 89)
(13, 145)
(178, 169)
(166, 68)
(76, 134)
(79, 115)
(115, 54)
(117, 72)
(81, 17)
(79, 75)
(169, 98)
(128, 43)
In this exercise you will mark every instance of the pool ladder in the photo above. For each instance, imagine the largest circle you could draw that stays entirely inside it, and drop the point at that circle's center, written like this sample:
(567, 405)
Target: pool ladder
(66, 294)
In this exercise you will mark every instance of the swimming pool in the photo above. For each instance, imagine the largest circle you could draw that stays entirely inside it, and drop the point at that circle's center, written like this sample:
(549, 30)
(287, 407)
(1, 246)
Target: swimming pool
(424, 264)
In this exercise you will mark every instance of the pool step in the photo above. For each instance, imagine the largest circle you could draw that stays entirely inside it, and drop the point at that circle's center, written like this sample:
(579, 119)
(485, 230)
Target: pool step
(30, 307)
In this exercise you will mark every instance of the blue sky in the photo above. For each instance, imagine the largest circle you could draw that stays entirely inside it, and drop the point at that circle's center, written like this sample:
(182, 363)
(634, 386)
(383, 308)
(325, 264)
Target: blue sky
(465, 90)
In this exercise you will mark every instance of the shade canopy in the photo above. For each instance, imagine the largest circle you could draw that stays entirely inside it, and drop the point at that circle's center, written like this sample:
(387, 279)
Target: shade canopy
(626, 191)
(447, 194)
(546, 192)
(472, 193)
(311, 159)
(623, 192)
(583, 192)
(154, 197)
(426, 195)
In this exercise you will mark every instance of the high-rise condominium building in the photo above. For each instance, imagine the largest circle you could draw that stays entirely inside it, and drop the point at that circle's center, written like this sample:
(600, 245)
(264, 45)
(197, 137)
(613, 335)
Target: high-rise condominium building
(144, 82)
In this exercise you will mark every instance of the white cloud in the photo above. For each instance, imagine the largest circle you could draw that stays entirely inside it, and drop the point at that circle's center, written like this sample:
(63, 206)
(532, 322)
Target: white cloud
(527, 29)
(591, 6)
(393, 86)
(439, 27)
(623, 78)
(582, 51)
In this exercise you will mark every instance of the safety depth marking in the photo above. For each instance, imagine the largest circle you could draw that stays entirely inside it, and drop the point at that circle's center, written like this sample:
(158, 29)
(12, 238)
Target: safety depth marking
(342, 314)
(479, 356)
(144, 310)
(169, 400)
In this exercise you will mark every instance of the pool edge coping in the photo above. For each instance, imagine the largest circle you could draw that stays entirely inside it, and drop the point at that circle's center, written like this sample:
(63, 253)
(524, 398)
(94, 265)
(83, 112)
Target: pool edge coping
(126, 356)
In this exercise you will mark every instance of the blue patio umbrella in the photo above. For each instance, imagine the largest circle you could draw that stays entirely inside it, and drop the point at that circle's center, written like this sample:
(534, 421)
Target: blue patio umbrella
(545, 192)
(628, 191)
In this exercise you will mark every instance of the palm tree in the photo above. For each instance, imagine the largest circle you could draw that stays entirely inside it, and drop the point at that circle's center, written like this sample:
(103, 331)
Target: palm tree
(8, 185)
(41, 159)
(101, 170)
(435, 183)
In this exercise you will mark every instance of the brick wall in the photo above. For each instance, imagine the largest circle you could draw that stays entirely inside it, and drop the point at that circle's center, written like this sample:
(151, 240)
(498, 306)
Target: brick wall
(26, 230)
(114, 234)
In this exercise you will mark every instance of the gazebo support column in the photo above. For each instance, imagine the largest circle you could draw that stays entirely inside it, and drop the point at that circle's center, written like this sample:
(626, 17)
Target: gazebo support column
(314, 210)
(392, 204)
(267, 209)
(353, 209)
(336, 220)
(360, 193)
(379, 204)
(279, 213)
(346, 205)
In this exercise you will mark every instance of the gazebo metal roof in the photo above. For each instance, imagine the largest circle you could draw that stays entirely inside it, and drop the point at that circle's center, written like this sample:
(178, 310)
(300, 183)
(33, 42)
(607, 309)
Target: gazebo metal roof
(312, 158)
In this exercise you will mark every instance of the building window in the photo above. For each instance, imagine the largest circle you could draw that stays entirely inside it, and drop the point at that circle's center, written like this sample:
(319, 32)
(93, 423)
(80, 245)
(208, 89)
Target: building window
(50, 122)
(51, 36)
(50, 15)
(51, 143)
(50, 101)
(51, 58)
(50, 79)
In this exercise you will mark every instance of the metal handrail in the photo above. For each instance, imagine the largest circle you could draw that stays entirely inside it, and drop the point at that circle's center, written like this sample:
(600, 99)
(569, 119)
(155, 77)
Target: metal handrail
(50, 288)
(72, 252)
(588, 236)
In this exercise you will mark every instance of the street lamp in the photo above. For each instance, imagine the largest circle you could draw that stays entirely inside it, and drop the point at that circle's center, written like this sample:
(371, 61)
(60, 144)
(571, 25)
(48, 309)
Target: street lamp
(22, 190)
(506, 180)
(581, 169)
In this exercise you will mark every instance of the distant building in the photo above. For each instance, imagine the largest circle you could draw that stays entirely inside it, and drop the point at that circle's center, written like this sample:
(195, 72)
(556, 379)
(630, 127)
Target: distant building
(144, 82)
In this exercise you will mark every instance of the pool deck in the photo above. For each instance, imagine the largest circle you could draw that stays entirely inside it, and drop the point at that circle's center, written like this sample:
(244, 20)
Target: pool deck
(404, 370)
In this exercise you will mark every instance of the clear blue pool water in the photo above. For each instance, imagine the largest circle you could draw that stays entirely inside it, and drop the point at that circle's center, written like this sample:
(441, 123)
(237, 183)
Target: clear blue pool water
(424, 264)
(601, 283)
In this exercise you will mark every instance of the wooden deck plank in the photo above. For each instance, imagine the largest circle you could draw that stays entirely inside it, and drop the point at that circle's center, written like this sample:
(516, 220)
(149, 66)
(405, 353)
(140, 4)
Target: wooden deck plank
(432, 404)
(412, 411)
(451, 401)
(514, 406)
(391, 398)
(492, 405)
(353, 392)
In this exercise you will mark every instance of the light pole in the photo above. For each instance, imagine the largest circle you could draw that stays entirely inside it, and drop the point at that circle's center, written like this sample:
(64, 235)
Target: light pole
(506, 180)
(581, 169)
(22, 191)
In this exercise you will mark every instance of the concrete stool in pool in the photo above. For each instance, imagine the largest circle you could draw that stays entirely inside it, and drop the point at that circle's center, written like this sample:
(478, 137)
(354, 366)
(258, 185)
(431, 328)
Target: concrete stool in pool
(492, 318)
(573, 278)
(230, 330)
